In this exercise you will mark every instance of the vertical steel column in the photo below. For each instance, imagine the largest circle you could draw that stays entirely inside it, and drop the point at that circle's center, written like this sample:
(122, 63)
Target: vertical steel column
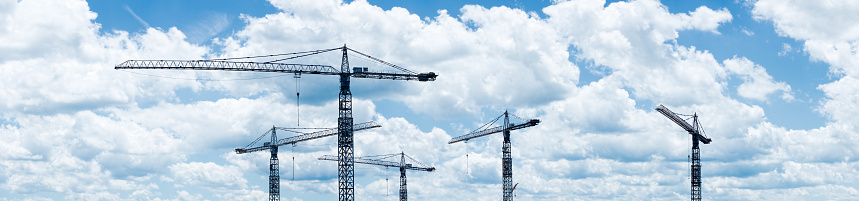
(696, 162)
(696, 170)
(507, 161)
(345, 157)
(403, 194)
(274, 170)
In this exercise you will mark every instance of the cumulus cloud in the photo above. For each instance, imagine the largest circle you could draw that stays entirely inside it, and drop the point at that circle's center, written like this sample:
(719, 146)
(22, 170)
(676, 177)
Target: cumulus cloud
(132, 137)
(512, 51)
(630, 39)
(827, 29)
(757, 84)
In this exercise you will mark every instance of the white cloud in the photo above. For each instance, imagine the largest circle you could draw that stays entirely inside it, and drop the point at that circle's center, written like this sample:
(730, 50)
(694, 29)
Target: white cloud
(829, 35)
(842, 100)
(785, 49)
(757, 83)
(630, 39)
(595, 141)
(747, 32)
(56, 55)
(517, 56)
(827, 28)
(208, 174)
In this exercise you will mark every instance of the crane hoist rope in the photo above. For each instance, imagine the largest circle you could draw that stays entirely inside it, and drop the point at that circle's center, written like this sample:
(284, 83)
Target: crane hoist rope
(387, 186)
(467, 176)
(297, 77)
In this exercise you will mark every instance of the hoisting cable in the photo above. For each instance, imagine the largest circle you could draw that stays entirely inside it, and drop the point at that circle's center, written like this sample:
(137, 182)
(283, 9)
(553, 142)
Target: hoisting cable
(466, 161)
(387, 186)
(273, 55)
(297, 77)
(293, 162)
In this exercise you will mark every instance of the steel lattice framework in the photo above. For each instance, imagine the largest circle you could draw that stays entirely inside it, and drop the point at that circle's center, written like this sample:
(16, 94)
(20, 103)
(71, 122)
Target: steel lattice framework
(697, 135)
(403, 164)
(345, 143)
(274, 166)
(506, 149)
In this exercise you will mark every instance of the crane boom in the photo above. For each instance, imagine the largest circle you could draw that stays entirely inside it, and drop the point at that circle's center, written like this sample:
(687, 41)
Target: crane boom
(370, 161)
(306, 137)
(682, 123)
(228, 66)
(476, 134)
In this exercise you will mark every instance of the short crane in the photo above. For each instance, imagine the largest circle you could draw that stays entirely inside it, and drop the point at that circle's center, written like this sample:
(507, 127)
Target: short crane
(507, 158)
(274, 165)
(402, 164)
(345, 129)
(697, 135)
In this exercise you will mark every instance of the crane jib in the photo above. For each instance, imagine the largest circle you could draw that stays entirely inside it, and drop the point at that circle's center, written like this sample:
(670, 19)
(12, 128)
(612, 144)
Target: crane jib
(265, 67)
(532, 122)
(306, 137)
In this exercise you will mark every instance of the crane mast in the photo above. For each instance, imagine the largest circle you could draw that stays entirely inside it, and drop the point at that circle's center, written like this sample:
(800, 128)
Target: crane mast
(345, 143)
(697, 136)
(274, 165)
(273, 171)
(402, 164)
(506, 148)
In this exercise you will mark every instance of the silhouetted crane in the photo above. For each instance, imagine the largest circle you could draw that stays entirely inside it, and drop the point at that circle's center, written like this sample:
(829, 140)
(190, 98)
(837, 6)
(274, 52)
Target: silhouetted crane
(697, 135)
(402, 164)
(506, 149)
(345, 143)
(274, 165)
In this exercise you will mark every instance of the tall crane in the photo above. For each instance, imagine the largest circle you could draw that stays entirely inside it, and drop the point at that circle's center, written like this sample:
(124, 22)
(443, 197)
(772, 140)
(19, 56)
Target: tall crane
(402, 164)
(507, 158)
(274, 165)
(697, 135)
(345, 129)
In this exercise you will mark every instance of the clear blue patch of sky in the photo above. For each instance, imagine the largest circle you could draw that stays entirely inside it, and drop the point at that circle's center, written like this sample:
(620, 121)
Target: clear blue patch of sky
(430, 8)
(195, 18)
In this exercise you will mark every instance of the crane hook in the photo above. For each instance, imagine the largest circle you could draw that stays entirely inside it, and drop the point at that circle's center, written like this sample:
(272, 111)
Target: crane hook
(297, 77)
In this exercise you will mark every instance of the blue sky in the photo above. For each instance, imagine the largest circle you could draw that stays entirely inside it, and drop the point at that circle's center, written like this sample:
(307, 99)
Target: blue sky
(773, 82)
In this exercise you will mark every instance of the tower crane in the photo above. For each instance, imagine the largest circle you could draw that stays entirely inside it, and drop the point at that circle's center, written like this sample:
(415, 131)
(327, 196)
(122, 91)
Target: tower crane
(274, 165)
(507, 158)
(402, 164)
(697, 135)
(345, 129)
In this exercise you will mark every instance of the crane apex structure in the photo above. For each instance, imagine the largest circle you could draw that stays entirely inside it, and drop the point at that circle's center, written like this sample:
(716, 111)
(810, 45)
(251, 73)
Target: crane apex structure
(274, 164)
(345, 164)
(697, 133)
(506, 148)
(402, 164)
